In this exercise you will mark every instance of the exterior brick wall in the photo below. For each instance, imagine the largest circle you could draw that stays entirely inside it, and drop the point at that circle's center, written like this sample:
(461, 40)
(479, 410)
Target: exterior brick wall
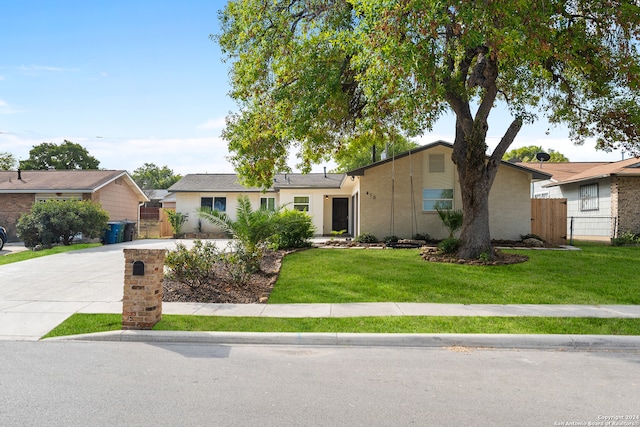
(11, 207)
(142, 299)
(625, 203)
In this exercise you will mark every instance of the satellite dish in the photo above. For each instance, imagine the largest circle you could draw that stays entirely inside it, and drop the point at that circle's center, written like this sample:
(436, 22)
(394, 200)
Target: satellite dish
(543, 157)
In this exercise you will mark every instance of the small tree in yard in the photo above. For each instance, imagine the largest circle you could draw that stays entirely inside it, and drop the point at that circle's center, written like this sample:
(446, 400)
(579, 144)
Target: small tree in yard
(61, 220)
(252, 228)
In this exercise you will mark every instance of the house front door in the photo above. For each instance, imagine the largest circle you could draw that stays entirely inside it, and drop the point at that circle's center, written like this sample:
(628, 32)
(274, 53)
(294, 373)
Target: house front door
(340, 215)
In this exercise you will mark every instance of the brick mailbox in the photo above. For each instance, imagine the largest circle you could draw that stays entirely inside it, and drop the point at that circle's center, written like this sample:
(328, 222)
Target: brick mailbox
(142, 300)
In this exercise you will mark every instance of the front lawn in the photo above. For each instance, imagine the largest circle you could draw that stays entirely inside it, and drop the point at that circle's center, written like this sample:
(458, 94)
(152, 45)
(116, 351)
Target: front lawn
(29, 254)
(595, 275)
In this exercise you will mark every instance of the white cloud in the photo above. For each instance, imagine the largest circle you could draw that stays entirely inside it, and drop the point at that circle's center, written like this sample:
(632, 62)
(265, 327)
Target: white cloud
(40, 68)
(218, 123)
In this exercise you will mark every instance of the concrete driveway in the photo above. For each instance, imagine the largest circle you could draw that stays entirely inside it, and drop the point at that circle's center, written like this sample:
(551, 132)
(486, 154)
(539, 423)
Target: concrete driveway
(38, 294)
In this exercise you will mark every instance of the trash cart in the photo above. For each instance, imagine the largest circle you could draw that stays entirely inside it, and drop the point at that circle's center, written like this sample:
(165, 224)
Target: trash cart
(129, 231)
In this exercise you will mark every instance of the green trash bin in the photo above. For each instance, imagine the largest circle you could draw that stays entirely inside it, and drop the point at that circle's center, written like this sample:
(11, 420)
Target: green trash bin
(118, 231)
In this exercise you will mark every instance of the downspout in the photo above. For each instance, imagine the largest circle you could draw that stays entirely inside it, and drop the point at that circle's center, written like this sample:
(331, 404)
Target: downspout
(139, 206)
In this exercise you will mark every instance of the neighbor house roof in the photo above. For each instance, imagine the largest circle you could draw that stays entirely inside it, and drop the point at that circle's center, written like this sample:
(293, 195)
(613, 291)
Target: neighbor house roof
(562, 170)
(536, 175)
(229, 182)
(567, 173)
(63, 181)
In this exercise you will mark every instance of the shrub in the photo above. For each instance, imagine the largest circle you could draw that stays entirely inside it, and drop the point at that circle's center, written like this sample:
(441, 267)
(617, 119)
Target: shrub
(449, 245)
(193, 266)
(424, 237)
(176, 219)
(626, 238)
(390, 239)
(61, 220)
(366, 238)
(294, 229)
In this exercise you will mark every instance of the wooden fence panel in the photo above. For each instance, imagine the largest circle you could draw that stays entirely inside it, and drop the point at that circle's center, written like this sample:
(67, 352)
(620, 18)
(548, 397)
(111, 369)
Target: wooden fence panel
(549, 220)
(165, 225)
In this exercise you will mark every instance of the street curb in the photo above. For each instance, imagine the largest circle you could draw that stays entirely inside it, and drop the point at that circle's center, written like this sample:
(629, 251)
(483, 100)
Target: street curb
(557, 342)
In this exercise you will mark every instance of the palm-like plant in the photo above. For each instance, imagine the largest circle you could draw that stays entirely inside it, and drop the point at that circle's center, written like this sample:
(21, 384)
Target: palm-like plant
(251, 228)
(452, 219)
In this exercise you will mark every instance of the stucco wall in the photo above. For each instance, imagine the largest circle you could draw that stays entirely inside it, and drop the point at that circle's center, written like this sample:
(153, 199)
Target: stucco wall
(119, 200)
(11, 207)
(625, 195)
(189, 203)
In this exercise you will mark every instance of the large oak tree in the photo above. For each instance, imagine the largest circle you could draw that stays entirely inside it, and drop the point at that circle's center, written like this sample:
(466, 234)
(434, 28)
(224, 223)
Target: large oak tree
(314, 75)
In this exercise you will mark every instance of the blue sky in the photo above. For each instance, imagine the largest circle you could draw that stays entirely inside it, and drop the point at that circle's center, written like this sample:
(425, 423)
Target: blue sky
(139, 81)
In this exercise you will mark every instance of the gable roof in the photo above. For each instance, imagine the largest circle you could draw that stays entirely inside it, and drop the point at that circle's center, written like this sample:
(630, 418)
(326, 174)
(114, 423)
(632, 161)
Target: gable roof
(229, 182)
(63, 181)
(562, 172)
(536, 175)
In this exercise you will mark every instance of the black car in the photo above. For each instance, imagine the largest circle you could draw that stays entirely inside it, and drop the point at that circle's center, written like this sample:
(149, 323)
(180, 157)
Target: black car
(3, 237)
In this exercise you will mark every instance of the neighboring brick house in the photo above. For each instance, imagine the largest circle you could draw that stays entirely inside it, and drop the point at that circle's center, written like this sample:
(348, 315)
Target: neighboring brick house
(115, 190)
(603, 198)
(395, 196)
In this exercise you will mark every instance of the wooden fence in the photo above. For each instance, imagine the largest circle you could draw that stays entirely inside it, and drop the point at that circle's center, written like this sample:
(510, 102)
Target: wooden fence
(155, 228)
(549, 220)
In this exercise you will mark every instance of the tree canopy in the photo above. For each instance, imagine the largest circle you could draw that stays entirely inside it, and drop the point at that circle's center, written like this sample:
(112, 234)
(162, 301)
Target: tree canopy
(529, 153)
(67, 155)
(313, 75)
(151, 177)
(7, 161)
(361, 153)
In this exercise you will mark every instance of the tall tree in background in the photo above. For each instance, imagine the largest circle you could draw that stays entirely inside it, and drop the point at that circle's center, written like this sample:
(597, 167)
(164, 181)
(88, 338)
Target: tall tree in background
(67, 155)
(359, 153)
(7, 161)
(151, 177)
(313, 75)
(528, 154)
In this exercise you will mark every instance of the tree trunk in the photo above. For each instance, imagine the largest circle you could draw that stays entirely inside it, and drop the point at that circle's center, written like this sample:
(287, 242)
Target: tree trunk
(476, 176)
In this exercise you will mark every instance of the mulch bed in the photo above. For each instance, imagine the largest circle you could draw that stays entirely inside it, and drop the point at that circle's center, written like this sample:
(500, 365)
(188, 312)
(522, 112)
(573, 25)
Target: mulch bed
(225, 290)
(258, 288)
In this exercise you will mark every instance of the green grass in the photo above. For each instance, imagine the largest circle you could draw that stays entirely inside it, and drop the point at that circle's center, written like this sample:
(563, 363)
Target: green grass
(89, 323)
(25, 255)
(595, 275)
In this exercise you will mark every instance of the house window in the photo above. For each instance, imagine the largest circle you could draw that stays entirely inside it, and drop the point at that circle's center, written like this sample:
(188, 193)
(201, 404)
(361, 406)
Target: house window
(301, 203)
(268, 203)
(436, 163)
(220, 204)
(214, 203)
(432, 198)
(589, 197)
(206, 202)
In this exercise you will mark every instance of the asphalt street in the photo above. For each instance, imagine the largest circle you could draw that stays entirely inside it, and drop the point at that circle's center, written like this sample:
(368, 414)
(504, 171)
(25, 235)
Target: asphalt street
(66, 383)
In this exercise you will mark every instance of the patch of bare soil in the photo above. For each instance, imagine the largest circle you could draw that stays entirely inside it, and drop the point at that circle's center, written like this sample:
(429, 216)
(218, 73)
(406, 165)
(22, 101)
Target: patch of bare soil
(500, 258)
(224, 290)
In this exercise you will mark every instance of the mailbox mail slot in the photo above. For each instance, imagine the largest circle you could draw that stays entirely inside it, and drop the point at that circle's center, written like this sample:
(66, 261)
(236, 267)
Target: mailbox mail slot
(138, 268)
